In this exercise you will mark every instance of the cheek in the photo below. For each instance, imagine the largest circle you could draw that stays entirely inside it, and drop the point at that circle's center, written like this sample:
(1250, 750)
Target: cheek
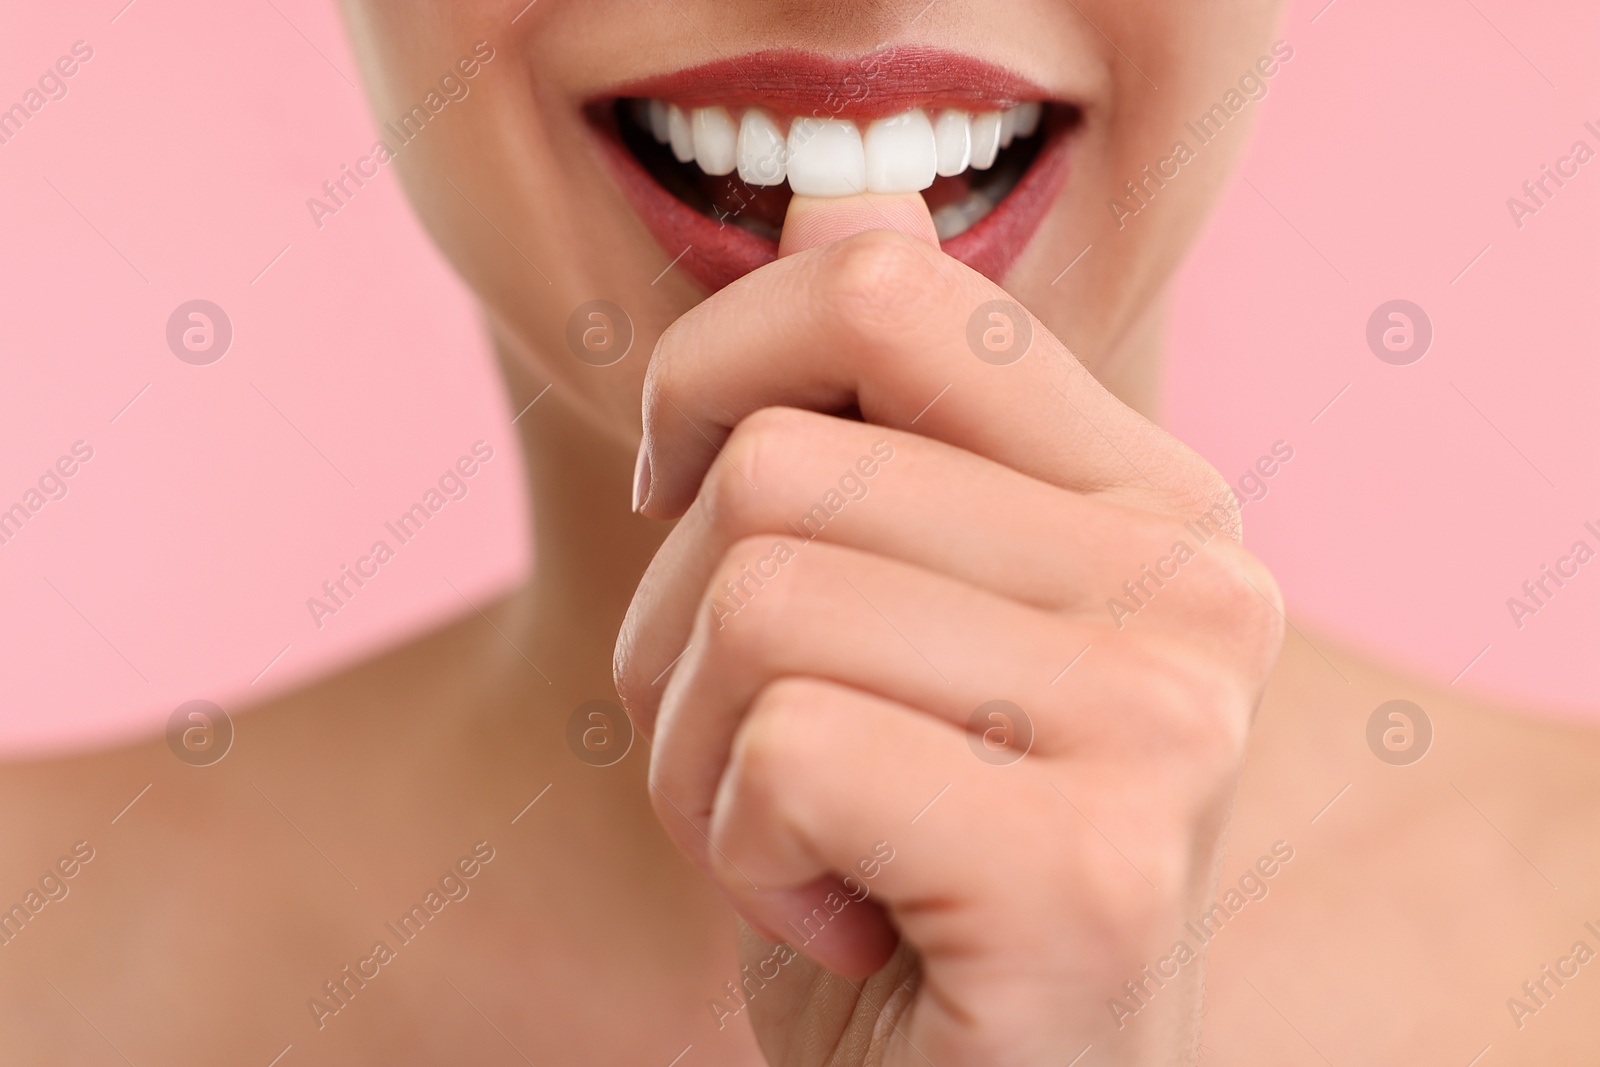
(568, 307)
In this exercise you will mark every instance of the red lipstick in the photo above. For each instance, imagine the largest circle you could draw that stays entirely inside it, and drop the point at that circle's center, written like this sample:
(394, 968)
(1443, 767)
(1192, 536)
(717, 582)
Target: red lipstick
(870, 86)
(716, 251)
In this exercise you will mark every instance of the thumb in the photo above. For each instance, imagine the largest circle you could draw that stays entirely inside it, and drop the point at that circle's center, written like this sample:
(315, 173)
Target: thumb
(814, 221)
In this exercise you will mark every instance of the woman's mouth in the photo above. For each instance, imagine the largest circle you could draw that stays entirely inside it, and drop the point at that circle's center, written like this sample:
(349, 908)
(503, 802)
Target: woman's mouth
(710, 157)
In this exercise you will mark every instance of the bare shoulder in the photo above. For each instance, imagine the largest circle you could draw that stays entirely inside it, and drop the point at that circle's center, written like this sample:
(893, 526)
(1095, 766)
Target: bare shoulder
(1444, 876)
(270, 891)
(88, 792)
(97, 847)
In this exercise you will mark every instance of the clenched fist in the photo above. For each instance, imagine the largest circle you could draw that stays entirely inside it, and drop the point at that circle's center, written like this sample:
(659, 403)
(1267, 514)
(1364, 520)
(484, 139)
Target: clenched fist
(949, 664)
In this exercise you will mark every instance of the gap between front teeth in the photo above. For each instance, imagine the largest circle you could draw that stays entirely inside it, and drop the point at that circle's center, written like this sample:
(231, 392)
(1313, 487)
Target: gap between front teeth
(830, 157)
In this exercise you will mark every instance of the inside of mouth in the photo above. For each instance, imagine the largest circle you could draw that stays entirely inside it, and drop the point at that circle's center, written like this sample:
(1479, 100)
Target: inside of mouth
(957, 203)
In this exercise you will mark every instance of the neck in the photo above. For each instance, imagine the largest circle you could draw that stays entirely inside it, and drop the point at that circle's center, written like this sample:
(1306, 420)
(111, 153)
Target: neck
(1131, 368)
(590, 550)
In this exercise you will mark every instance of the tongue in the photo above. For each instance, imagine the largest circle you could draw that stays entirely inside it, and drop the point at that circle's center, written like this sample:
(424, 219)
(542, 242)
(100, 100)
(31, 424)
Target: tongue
(813, 221)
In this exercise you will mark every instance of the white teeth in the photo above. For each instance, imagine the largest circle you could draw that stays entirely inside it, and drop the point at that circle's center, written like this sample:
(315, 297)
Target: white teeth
(680, 134)
(1028, 116)
(826, 158)
(715, 139)
(830, 157)
(1020, 121)
(949, 221)
(901, 154)
(952, 139)
(985, 139)
(763, 151)
(658, 121)
(953, 220)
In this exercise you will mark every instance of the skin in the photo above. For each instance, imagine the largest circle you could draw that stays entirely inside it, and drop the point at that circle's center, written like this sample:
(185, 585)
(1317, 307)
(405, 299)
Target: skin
(794, 737)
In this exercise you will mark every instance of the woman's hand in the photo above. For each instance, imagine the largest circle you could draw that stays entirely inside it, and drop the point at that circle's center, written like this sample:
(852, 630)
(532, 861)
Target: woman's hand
(818, 648)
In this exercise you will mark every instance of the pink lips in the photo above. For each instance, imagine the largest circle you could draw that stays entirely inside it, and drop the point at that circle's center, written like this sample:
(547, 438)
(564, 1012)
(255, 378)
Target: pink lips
(880, 83)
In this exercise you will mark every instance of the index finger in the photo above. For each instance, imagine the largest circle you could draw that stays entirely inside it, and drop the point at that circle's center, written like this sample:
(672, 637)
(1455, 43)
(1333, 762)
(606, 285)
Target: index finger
(913, 340)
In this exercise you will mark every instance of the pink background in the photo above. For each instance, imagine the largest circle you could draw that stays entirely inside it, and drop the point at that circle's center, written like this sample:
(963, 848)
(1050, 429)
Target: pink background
(178, 165)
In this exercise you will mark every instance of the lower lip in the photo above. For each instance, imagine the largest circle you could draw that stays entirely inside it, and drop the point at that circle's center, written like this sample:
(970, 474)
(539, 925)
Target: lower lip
(717, 253)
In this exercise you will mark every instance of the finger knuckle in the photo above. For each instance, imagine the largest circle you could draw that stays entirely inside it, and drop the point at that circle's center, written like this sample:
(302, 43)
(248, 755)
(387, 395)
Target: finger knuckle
(1244, 607)
(774, 731)
(763, 449)
(728, 496)
(1192, 706)
(1127, 918)
(1123, 900)
(876, 284)
(770, 754)
(748, 598)
(1259, 602)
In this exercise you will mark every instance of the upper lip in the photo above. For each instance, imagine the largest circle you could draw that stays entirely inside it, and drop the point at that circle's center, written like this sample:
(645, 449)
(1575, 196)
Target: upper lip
(887, 81)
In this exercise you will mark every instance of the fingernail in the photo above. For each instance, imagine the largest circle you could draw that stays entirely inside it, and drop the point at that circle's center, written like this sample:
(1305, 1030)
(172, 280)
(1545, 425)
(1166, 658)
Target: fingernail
(641, 477)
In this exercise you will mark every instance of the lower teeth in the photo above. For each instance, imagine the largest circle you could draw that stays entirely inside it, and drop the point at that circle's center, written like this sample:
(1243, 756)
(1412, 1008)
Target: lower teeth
(953, 220)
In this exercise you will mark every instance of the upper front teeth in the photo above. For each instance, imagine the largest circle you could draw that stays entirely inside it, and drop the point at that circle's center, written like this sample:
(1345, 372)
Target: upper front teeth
(985, 139)
(830, 157)
(902, 154)
(714, 137)
(952, 142)
(680, 134)
(762, 149)
(826, 157)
